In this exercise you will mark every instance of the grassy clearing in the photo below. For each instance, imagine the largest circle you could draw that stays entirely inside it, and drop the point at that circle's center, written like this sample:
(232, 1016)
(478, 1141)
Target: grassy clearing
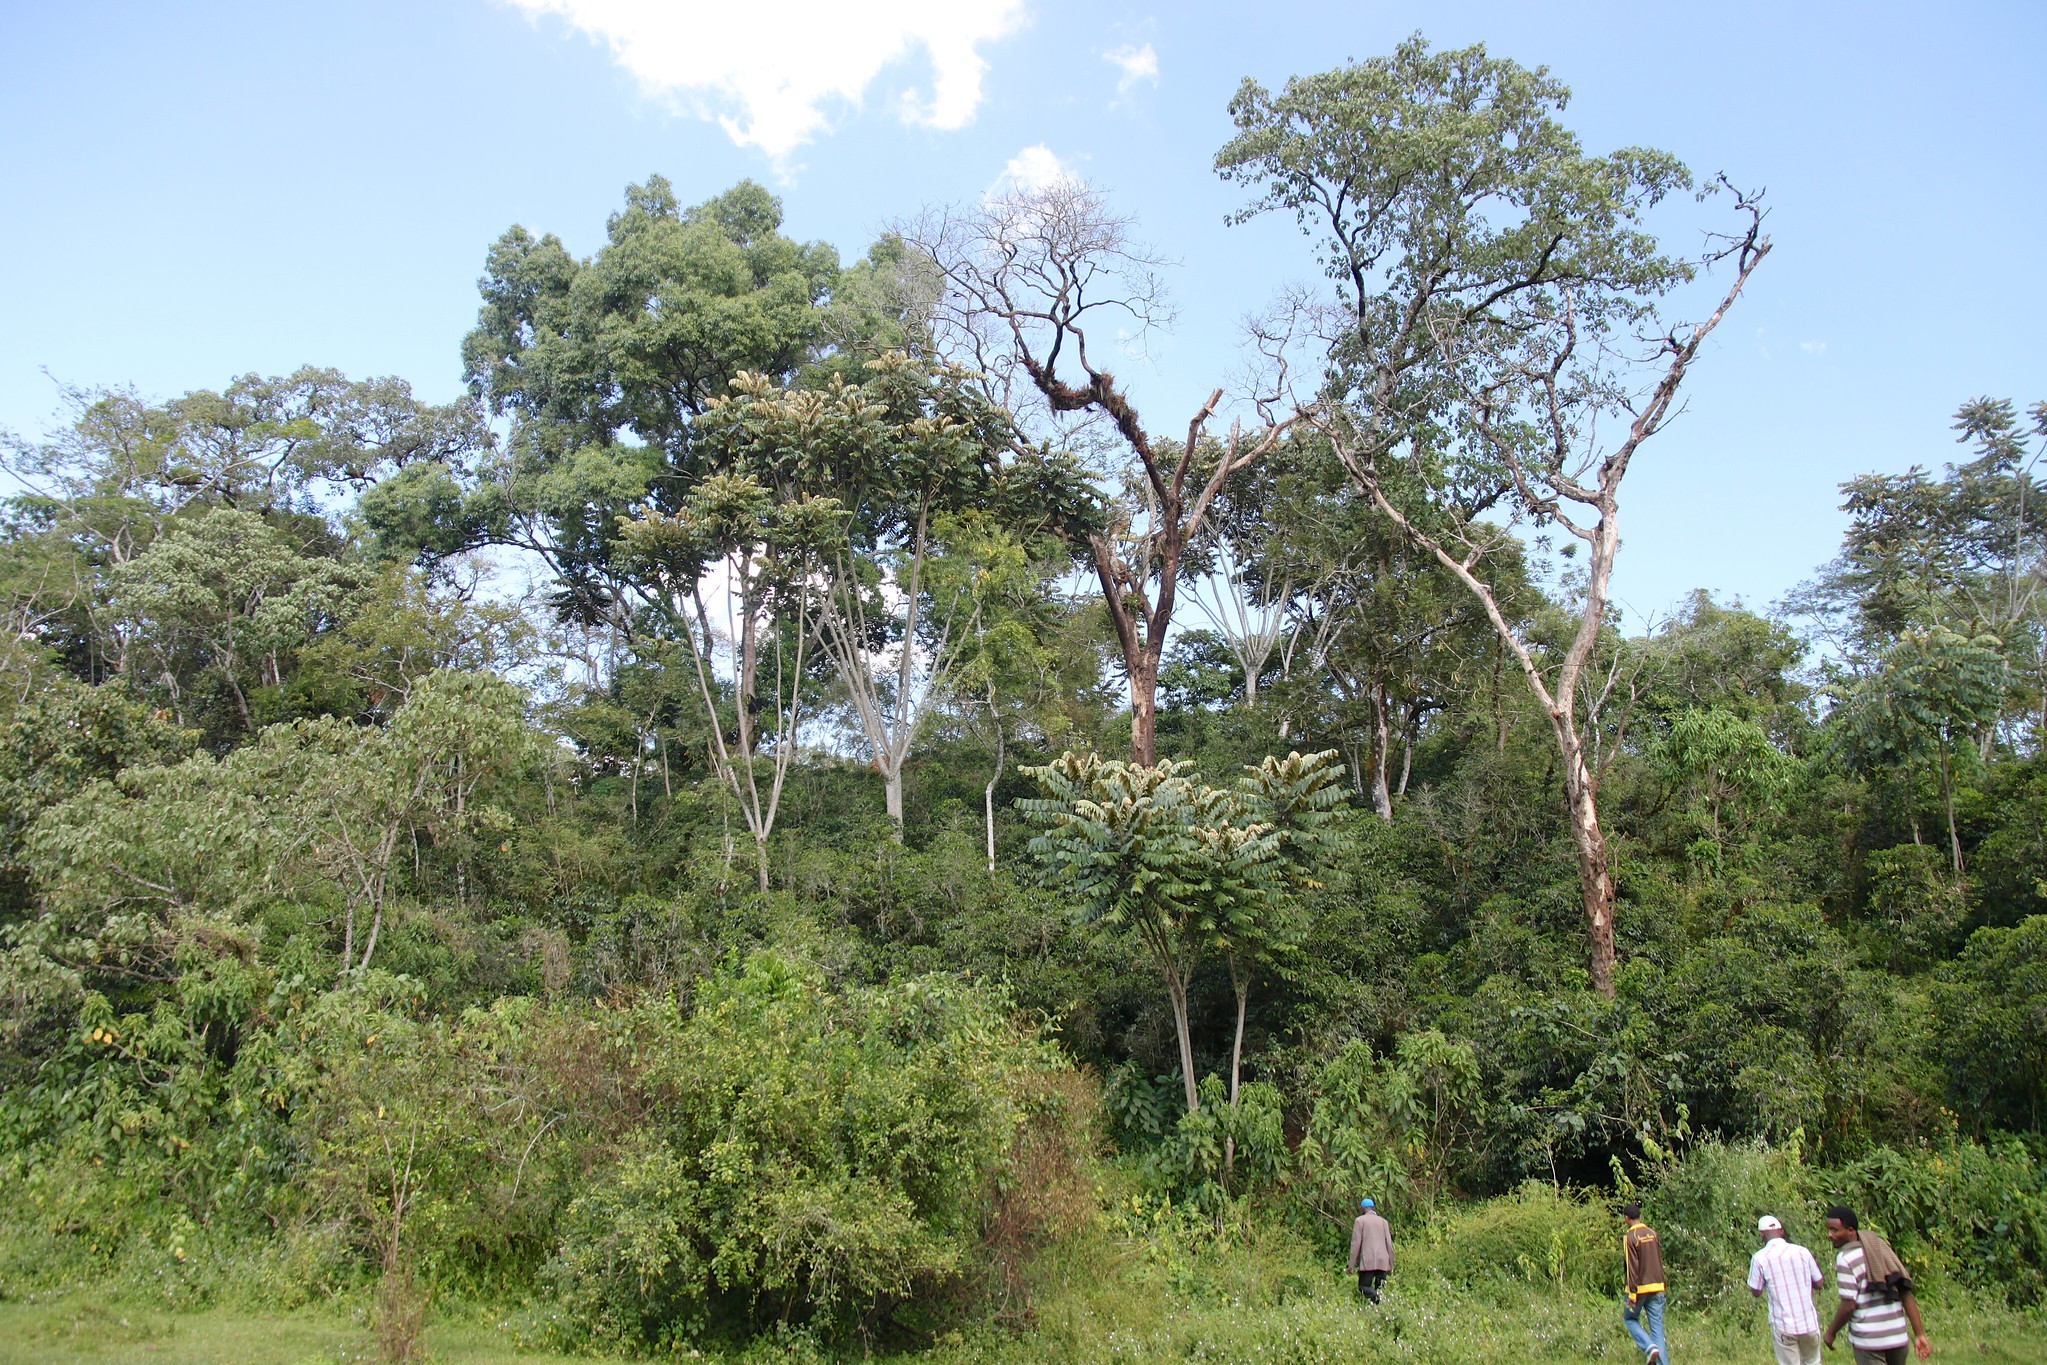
(1523, 1278)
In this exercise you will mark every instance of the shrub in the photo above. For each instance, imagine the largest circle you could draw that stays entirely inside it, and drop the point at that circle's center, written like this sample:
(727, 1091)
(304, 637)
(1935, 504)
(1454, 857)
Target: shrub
(818, 1159)
(1389, 1125)
(1704, 1207)
(1974, 1211)
(1539, 1233)
(1044, 1190)
(1956, 1209)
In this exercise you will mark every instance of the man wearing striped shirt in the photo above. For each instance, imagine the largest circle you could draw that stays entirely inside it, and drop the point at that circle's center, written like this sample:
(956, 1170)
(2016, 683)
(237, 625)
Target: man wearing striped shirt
(1877, 1319)
(1788, 1274)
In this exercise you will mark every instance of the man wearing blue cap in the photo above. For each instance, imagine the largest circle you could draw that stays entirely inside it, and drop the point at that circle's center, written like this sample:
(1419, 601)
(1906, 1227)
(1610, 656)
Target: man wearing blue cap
(1371, 1250)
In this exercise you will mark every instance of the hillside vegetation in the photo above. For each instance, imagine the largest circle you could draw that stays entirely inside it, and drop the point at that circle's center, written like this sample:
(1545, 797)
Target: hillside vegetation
(794, 822)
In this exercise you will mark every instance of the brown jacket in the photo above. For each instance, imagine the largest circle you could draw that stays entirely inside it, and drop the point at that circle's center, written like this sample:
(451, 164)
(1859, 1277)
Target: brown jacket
(1371, 1243)
(1645, 1259)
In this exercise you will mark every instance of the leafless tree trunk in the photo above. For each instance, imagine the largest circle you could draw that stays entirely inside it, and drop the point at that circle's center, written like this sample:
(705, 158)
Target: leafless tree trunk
(1240, 986)
(1410, 734)
(988, 793)
(736, 760)
(1176, 988)
(1250, 618)
(893, 698)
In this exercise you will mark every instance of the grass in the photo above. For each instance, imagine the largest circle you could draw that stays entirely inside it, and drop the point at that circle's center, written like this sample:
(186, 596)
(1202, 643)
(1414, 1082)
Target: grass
(1429, 1327)
(1423, 1323)
(1257, 1305)
(1523, 1278)
(1107, 1321)
(73, 1328)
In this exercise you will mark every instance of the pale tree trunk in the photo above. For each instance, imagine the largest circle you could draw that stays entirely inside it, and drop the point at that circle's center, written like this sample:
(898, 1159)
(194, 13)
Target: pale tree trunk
(734, 760)
(1947, 801)
(1240, 985)
(1176, 986)
(376, 928)
(1588, 841)
(1382, 748)
(1250, 628)
(891, 717)
(462, 833)
(988, 793)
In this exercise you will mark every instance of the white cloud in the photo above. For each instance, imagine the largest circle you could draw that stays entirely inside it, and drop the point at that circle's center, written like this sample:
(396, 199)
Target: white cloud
(1813, 348)
(772, 74)
(1136, 63)
(1030, 170)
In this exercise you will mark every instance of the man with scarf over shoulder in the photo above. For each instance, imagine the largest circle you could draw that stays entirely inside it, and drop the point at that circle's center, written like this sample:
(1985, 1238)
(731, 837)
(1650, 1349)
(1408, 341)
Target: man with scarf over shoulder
(1877, 1306)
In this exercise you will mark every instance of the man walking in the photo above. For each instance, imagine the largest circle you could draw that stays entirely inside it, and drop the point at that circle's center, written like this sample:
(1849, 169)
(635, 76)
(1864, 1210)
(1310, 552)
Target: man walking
(1876, 1295)
(1788, 1274)
(1644, 1257)
(1371, 1251)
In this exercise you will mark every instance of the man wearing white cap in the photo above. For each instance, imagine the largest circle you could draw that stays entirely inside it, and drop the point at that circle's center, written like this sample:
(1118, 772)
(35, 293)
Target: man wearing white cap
(1788, 1274)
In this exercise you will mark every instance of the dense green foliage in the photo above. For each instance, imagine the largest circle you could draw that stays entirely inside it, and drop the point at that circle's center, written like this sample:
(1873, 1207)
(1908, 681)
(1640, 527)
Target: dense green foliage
(753, 932)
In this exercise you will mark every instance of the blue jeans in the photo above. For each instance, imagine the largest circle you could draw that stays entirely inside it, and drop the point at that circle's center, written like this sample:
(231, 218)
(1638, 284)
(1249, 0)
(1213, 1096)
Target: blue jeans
(1645, 1322)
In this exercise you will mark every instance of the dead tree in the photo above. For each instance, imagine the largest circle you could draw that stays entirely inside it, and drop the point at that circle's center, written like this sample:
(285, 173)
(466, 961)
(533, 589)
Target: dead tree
(1037, 281)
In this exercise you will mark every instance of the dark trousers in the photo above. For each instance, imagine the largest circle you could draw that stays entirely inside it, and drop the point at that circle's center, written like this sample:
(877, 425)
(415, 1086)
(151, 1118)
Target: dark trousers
(1370, 1282)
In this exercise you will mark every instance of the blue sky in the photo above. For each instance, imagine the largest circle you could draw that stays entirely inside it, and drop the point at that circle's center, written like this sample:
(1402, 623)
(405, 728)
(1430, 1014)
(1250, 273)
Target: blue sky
(196, 191)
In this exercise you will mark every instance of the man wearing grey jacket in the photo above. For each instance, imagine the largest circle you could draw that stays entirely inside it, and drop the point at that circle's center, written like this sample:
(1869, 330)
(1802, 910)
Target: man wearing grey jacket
(1371, 1250)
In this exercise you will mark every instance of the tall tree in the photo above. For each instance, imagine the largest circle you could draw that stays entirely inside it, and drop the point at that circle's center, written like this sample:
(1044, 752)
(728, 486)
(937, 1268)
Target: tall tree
(892, 464)
(228, 597)
(737, 556)
(605, 364)
(1009, 663)
(1377, 636)
(1489, 278)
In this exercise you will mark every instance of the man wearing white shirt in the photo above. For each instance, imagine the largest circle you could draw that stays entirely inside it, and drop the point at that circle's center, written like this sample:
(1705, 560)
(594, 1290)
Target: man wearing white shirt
(1787, 1273)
